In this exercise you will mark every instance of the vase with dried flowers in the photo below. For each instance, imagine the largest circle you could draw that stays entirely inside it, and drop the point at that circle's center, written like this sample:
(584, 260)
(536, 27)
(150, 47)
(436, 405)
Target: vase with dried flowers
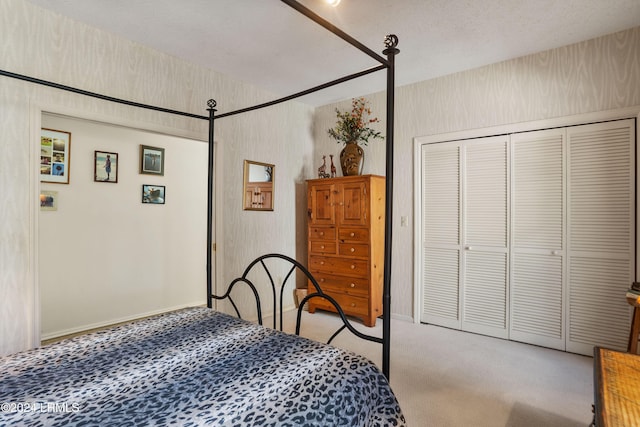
(351, 129)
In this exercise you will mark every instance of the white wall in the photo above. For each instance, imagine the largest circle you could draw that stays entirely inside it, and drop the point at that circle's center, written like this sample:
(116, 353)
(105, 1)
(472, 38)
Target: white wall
(595, 75)
(41, 44)
(105, 256)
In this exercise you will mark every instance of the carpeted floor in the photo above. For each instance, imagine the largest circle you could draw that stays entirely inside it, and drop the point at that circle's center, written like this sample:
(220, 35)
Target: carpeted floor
(448, 378)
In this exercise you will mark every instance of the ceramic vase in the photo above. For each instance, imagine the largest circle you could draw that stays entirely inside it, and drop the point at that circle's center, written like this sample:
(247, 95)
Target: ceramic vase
(351, 159)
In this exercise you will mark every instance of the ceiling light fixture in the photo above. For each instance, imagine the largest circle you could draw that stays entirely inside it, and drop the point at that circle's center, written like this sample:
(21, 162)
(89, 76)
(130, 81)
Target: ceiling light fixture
(333, 3)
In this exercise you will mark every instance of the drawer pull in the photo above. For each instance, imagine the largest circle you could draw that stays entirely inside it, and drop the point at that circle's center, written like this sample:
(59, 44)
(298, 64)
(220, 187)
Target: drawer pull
(353, 285)
(352, 234)
(322, 247)
(352, 249)
(353, 304)
(353, 267)
(321, 262)
(321, 279)
(322, 233)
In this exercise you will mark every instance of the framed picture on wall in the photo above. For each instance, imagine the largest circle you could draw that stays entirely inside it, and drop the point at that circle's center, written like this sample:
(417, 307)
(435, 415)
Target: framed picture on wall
(151, 160)
(55, 153)
(48, 200)
(105, 166)
(154, 194)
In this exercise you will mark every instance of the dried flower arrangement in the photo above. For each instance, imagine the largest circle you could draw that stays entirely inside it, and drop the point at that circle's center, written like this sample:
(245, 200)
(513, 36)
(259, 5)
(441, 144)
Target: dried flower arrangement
(353, 126)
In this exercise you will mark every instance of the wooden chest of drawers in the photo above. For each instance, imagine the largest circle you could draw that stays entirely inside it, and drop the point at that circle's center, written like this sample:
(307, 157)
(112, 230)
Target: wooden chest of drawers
(346, 243)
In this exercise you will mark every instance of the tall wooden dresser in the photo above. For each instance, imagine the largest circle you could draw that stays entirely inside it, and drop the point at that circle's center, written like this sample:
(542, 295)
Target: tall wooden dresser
(346, 243)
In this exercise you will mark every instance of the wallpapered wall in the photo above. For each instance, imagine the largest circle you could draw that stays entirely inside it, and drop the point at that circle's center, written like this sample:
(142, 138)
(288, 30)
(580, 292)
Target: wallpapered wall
(595, 75)
(38, 43)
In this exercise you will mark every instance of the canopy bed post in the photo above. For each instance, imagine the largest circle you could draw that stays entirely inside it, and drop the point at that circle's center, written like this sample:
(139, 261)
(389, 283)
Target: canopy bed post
(211, 104)
(390, 41)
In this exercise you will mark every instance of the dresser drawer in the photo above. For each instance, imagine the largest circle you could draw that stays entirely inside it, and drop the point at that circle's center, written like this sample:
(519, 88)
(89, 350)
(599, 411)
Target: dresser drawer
(322, 247)
(353, 234)
(353, 249)
(322, 233)
(339, 266)
(350, 305)
(347, 285)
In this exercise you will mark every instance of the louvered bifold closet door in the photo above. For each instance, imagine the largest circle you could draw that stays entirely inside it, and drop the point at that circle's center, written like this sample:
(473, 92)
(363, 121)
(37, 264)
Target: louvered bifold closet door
(441, 234)
(601, 191)
(485, 236)
(537, 248)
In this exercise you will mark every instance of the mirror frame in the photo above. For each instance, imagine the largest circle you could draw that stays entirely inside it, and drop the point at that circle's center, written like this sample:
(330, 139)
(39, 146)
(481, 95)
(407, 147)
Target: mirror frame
(258, 195)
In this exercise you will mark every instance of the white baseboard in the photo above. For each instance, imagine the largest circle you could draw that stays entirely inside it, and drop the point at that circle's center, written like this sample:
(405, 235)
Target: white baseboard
(402, 317)
(110, 322)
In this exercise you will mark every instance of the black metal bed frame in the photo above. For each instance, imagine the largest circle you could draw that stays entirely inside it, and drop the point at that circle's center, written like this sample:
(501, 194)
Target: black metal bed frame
(388, 63)
(278, 291)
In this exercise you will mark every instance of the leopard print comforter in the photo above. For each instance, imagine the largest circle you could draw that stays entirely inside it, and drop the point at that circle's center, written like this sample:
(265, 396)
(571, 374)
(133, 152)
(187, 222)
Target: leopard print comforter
(193, 367)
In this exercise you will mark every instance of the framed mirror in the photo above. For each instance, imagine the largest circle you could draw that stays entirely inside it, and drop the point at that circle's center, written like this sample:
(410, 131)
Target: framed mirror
(259, 185)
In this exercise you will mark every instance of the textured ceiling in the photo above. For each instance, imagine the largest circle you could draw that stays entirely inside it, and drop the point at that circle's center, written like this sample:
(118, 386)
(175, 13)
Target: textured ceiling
(270, 45)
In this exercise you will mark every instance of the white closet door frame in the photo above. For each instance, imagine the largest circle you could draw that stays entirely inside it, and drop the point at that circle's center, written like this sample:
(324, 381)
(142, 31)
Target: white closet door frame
(419, 141)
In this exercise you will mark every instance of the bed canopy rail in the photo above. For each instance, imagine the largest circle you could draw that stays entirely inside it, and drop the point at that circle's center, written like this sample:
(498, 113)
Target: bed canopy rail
(337, 31)
(388, 63)
(304, 92)
(98, 95)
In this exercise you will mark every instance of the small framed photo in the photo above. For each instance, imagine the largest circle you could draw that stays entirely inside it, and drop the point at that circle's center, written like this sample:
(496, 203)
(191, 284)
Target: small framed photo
(105, 166)
(153, 194)
(151, 160)
(48, 200)
(55, 153)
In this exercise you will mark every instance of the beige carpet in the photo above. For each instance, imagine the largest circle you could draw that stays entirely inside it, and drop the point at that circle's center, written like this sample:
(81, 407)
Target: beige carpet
(448, 378)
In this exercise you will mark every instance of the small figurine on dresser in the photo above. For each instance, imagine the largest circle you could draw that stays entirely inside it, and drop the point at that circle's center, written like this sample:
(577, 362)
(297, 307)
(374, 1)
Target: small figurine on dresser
(322, 170)
(333, 167)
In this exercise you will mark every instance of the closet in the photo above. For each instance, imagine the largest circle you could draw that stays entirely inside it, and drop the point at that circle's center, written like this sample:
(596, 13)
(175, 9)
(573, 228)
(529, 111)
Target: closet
(531, 236)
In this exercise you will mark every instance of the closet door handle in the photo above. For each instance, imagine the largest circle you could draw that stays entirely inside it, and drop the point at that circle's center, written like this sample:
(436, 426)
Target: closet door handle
(468, 248)
(555, 253)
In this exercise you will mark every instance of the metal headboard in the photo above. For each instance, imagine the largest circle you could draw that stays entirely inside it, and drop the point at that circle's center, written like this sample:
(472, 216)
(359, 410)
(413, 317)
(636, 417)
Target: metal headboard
(278, 291)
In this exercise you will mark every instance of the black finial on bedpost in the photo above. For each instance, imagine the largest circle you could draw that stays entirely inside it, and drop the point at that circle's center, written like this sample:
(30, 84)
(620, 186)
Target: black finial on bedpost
(210, 194)
(390, 42)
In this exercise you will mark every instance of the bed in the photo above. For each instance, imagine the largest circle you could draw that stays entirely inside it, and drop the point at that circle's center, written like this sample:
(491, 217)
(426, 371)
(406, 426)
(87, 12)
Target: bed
(198, 366)
(194, 366)
(387, 64)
